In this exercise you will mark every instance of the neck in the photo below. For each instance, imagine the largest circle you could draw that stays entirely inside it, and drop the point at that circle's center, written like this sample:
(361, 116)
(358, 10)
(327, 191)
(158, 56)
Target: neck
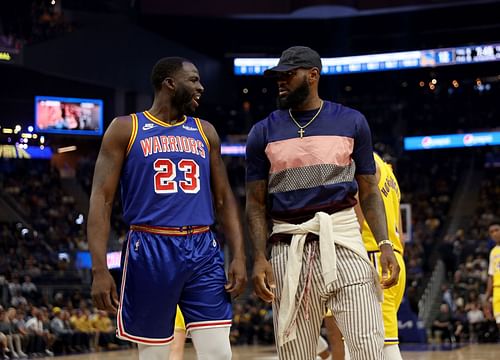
(311, 103)
(163, 110)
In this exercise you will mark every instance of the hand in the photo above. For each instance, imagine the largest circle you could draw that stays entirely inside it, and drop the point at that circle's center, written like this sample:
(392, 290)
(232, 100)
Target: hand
(236, 277)
(103, 292)
(263, 279)
(390, 267)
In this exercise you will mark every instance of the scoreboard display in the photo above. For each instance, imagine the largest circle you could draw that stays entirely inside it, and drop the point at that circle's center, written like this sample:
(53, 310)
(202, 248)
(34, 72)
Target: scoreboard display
(385, 61)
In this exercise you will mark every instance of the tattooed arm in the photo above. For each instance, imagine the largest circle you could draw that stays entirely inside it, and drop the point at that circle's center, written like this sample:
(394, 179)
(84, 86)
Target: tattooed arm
(256, 217)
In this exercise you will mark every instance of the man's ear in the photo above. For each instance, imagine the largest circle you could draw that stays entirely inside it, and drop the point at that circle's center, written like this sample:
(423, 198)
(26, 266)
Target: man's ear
(169, 83)
(314, 74)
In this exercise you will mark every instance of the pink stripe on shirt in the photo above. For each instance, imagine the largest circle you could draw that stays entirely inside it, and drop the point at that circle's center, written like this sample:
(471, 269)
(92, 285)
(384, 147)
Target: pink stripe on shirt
(311, 150)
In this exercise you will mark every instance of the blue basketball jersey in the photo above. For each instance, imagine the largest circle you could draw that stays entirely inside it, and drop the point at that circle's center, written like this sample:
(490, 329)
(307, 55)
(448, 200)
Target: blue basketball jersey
(165, 180)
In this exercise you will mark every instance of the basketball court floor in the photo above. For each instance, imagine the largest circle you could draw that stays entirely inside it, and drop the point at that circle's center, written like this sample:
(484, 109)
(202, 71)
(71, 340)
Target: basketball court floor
(469, 352)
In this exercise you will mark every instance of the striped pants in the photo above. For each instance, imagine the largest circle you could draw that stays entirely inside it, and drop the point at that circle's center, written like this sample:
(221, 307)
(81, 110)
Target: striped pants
(351, 298)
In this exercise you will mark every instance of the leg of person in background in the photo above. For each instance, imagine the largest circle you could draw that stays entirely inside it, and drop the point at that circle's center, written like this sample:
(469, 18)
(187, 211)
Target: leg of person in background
(212, 343)
(392, 299)
(323, 351)
(390, 306)
(339, 348)
(3, 346)
(177, 348)
(154, 352)
(16, 338)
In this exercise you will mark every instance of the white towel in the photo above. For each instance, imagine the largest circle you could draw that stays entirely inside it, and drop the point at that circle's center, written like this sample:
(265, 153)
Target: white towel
(340, 228)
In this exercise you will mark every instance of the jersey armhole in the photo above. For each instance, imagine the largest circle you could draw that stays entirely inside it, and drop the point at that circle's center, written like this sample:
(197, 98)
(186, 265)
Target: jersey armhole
(202, 132)
(134, 133)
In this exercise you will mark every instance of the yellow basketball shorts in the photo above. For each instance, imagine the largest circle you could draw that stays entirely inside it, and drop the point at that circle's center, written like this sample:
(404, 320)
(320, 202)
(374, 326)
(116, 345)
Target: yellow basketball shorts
(392, 298)
(496, 303)
(179, 320)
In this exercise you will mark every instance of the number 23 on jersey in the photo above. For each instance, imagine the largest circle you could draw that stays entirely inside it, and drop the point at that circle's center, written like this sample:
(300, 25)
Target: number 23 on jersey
(166, 172)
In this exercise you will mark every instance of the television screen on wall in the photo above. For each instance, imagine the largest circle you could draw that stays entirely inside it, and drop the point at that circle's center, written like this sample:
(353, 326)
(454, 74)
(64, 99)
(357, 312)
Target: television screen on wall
(70, 116)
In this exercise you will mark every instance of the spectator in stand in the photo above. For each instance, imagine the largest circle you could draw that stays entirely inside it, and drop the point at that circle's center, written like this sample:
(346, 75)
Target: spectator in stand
(81, 324)
(40, 339)
(62, 331)
(9, 328)
(14, 286)
(5, 334)
(105, 331)
(443, 324)
(20, 328)
(475, 318)
(29, 289)
(17, 299)
(4, 349)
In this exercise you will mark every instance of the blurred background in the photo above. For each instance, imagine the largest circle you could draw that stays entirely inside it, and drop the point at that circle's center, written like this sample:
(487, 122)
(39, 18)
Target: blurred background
(426, 74)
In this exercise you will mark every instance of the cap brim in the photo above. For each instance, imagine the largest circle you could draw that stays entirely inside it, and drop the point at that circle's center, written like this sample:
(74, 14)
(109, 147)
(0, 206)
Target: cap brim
(274, 71)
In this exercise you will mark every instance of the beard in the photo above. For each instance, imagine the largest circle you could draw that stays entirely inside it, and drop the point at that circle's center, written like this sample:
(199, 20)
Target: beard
(183, 101)
(295, 97)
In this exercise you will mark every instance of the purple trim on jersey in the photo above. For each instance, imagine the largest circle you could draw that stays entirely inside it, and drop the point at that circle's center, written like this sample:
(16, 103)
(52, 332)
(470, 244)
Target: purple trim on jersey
(305, 183)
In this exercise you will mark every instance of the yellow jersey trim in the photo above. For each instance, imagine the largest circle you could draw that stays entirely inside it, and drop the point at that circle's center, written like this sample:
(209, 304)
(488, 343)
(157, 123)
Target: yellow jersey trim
(162, 123)
(134, 133)
(202, 132)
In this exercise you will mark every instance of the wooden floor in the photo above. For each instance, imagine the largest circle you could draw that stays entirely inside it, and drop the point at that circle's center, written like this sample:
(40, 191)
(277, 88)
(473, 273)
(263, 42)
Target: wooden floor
(470, 352)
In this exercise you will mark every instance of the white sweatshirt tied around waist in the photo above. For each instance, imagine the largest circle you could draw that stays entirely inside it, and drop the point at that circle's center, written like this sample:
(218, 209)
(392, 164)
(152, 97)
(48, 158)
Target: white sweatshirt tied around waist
(340, 228)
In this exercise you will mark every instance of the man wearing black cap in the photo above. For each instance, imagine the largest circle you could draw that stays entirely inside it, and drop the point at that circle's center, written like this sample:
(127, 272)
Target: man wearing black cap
(309, 157)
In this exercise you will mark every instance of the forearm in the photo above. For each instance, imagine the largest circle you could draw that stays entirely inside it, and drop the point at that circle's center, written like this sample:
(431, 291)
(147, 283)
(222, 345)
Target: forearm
(257, 224)
(489, 287)
(229, 215)
(98, 229)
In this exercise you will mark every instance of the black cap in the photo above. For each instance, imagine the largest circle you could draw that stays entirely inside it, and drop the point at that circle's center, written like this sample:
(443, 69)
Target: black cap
(294, 58)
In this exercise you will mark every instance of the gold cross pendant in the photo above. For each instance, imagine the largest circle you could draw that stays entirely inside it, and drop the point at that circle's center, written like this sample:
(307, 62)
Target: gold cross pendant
(301, 132)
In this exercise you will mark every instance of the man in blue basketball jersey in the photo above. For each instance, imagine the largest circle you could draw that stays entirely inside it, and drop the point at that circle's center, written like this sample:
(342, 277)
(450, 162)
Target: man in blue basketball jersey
(309, 158)
(172, 178)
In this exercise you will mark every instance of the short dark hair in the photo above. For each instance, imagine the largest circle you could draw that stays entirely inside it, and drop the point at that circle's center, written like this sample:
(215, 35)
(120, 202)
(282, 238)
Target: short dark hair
(166, 67)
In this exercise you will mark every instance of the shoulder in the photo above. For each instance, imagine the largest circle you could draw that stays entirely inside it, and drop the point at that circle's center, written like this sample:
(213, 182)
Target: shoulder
(208, 128)
(210, 132)
(270, 123)
(121, 124)
(119, 131)
(344, 111)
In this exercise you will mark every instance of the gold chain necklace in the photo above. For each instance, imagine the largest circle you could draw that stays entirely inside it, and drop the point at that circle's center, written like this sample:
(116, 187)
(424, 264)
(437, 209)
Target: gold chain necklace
(301, 130)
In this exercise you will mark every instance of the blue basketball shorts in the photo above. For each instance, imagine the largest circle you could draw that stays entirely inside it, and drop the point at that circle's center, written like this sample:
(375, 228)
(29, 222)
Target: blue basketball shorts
(161, 271)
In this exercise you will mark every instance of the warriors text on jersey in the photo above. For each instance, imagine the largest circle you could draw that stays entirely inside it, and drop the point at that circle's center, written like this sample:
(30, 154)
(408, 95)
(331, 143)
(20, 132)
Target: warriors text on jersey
(167, 174)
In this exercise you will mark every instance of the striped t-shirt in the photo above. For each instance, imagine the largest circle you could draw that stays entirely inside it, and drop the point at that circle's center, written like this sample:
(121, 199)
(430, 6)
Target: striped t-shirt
(313, 173)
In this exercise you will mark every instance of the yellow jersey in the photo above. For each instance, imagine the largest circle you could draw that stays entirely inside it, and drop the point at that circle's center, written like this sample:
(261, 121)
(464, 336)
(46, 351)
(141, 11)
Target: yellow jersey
(494, 268)
(391, 195)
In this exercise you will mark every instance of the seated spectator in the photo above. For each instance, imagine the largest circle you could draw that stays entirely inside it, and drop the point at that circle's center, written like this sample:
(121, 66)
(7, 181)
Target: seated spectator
(475, 318)
(105, 331)
(39, 337)
(9, 329)
(443, 324)
(80, 323)
(63, 332)
(29, 289)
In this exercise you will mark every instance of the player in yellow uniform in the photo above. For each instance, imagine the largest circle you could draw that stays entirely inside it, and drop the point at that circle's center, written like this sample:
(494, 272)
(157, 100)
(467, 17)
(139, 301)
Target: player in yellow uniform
(393, 296)
(177, 347)
(493, 287)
